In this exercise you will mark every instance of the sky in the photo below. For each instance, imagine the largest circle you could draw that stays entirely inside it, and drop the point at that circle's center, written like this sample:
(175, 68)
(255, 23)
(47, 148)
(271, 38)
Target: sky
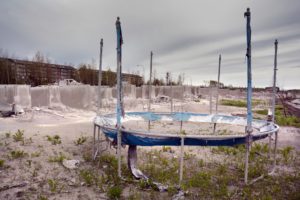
(185, 36)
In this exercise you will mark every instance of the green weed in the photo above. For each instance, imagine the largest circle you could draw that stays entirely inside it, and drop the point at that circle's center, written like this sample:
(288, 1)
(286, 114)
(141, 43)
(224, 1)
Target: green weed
(19, 136)
(35, 154)
(88, 177)
(80, 140)
(59, 158)
(287, 153)
(17, 154)
(53, 184)
(54, 140)
(239, 103)
(2, 163)
(114, 192)
(7, 135)
(42, 197)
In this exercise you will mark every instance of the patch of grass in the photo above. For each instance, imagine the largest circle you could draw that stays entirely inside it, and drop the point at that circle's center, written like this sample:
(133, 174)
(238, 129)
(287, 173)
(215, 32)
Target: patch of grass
(182, 132)
(280, 118)
(17, 154)
(59, 158)
(172, 190)
(261, 148)
(239, 103)
(88, 177)
(114, 192)
(42, 197)
(262, 112)
(287, 121)
(287, 153)
(53, 185)
(2, 163)
(167, 149)
(80, 140)
(7, 135)
(161, 168)
(201, 180)
(225, 150)
(54, 140)
(35, 154)
(19, 136)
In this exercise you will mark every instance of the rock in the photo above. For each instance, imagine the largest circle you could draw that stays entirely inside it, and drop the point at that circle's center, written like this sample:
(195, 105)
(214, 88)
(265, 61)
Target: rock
(71, 164)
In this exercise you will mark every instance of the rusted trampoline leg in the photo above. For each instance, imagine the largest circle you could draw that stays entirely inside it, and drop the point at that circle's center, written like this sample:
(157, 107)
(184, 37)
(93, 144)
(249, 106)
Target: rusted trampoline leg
(275, 149)
(270, 145)
(98, 146)
(181, 160)
(138, 174)
(132, 160)
(94, 142)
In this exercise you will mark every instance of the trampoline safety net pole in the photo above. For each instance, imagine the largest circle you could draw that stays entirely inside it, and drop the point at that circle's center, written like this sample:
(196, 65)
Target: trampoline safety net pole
(273, 101)
(218, 85)
(150, 88)
(119, 90)
(247, 14)
(100, 77)
(171, 93)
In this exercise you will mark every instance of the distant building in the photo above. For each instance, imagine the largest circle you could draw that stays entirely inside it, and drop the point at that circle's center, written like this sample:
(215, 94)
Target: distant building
(133, 79)
(33, 73)
(270, 89)
(14, 71)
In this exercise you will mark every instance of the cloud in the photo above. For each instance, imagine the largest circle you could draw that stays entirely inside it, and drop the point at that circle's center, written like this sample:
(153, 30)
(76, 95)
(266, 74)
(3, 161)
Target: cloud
(185, 36)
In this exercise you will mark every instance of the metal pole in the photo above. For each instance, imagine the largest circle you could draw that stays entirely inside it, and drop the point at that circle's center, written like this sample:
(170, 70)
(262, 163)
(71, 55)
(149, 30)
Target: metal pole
(217, 98)
(150, 88)
(171, 93)
(94, 142)
(247, 14)
(274, 82)
(274, 102)
(218, 85)
(119, 90)
(275, 150)
(210, 100)
(100, 77)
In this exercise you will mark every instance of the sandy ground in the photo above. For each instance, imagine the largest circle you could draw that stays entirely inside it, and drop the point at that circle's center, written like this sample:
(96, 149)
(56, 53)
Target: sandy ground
(70, 125)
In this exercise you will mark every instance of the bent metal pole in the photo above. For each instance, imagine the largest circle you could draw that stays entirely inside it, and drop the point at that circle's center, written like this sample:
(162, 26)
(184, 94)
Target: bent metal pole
(247, 14)
(100, 77)
(150, 88)
(119, 90)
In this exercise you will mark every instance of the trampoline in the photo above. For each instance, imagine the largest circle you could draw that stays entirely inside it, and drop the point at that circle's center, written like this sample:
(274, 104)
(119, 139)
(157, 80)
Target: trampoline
(107, 123)
(112, 127)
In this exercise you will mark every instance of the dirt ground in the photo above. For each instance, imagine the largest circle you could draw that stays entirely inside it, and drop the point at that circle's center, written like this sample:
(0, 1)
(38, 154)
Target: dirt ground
(33, 169)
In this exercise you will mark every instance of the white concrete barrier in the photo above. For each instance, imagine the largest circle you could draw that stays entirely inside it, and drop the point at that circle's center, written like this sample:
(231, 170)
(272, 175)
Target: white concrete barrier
(18, 94)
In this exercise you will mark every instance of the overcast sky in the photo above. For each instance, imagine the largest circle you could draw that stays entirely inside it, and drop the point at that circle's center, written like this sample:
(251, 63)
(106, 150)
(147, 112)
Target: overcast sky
(185, 36)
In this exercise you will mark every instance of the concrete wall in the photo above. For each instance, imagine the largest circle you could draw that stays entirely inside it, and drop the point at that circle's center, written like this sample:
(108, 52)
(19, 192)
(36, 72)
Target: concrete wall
(18, 94)
(86, 96)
